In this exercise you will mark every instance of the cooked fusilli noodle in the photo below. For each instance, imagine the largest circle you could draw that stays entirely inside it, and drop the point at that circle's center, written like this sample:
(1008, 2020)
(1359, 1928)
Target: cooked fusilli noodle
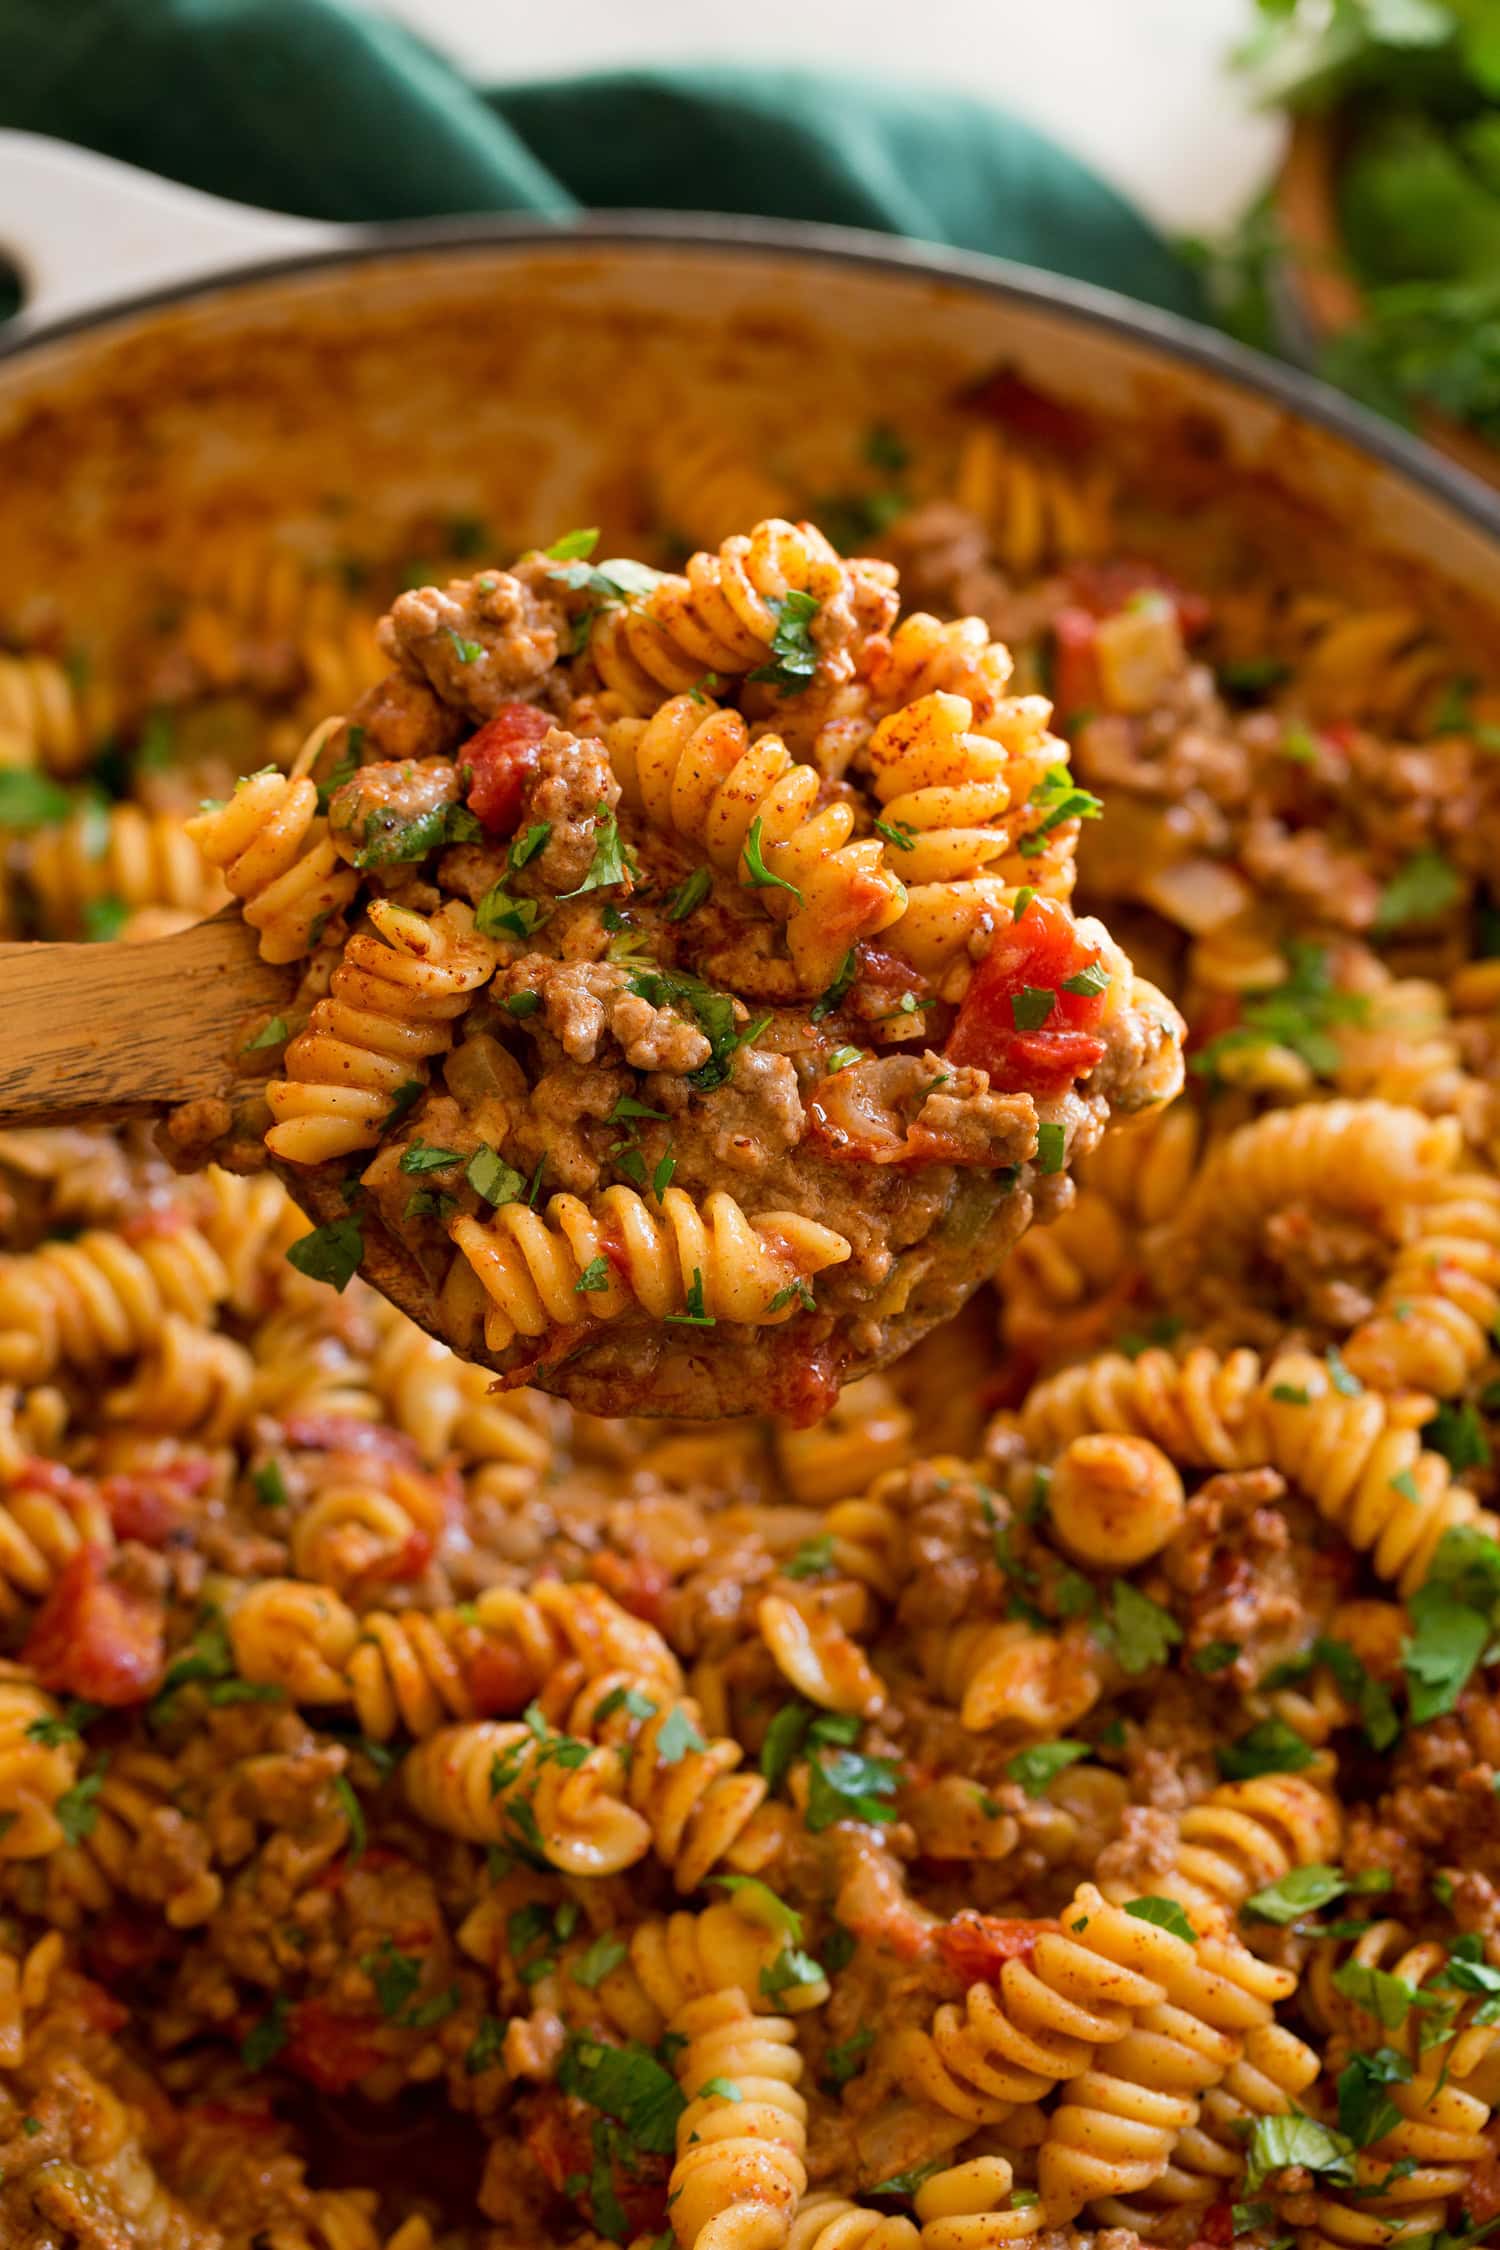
(710, 1263)
(276, 857)
(694, 770)
(392, 1001)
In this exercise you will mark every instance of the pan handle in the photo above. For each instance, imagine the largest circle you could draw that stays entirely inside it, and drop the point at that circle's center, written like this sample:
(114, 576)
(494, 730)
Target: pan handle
(84, 231)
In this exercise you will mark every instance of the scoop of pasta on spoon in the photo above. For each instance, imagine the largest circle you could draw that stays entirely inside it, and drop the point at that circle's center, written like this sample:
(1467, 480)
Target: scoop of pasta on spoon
(682, 1008)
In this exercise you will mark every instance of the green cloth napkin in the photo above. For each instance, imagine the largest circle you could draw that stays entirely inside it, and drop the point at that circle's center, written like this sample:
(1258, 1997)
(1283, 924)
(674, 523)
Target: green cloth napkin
(319, 107)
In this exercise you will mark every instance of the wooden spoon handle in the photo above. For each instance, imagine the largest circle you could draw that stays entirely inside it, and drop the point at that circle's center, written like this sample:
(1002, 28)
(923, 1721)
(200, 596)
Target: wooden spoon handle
(108, 1029)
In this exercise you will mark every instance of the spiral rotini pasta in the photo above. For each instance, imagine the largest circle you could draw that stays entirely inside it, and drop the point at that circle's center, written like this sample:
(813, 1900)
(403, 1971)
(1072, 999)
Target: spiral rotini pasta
(832, 2222)
(1369, 1159)
(694, 770)
(739, 2174)
(700, 1811)
(965, 2208)
(277, 858)
(121, 854)
(1361, 1460)
(1198, 1409)
(1037, 514)
(189, 1381)
(393, 999)
(705, 484)
(41, 1529)
(1435, 1320)
(490, 1780)
(669, 1960)
(1013, 1674)
(102, 1297)
(448, 1407)
(609, 1829)
(1040, 2023)
(413, 1672)
(816, 1653)
(712, 1262)
(723, 616)
(51, 720)
(1245, 1836)
(1119, 2122)
(38, 1765)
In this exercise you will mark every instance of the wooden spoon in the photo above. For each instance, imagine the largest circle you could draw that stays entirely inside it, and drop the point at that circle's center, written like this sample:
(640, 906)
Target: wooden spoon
(94, 1033)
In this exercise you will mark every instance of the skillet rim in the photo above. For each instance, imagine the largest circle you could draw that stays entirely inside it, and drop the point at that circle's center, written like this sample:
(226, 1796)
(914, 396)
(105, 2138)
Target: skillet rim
(1086, 304)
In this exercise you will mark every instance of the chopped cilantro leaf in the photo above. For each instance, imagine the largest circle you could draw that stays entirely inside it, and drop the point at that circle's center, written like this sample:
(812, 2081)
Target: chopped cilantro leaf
(827, 1001)
(846, 2060)
(1457, 1433)
(793, 656)
(354, 1819)
(812, 1558)
(1036, 1767)
(1302, 1891)
(696, 1314)
(1278, 2142)
(573, 546)
(676, 1736)
(757, 874)
(330, 1253)
(627, 2083)
(1142, 1631)
(264, 2040)
(1419, 892)
(612, 862)
(844, 1785)
(1163, 1914)
(689, 894)
(1051, 1146)
(1058, 800)
(490, 1176)
(420, 1156)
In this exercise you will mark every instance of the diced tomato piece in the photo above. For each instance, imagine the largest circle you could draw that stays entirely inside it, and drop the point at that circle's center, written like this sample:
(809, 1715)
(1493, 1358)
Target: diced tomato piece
(408, 1561)
(558, 2135)
(1342, 733)
(98, 2008)
(887, 970)
(557, 2141)
(336, 1874)
(1007, 397)
(155, 1222)
(1104, 588)
(332, 2052)
(1218, 2225)
(97, 1639)
(1038, 953)
(151, 1504)
(238, 2116)
(342, 1433)
(976, 1947)
(804, 1385)
(502, 757)
(1481, 2195)
(500, 1679)
(1048, 1061)
(125, 1944)
(637, 1583)
(38, 1475)
(1075, 663)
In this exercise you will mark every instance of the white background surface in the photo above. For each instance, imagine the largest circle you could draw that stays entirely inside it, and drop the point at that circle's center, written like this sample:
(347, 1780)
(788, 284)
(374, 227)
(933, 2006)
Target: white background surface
(1137, 87)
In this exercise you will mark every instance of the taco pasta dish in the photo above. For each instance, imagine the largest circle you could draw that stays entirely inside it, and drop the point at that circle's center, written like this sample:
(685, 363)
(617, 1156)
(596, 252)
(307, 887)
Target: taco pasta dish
(1046, 1789)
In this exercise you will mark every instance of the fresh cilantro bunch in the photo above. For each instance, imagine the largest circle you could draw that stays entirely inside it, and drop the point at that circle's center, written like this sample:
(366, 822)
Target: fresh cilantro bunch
(1416, 85)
